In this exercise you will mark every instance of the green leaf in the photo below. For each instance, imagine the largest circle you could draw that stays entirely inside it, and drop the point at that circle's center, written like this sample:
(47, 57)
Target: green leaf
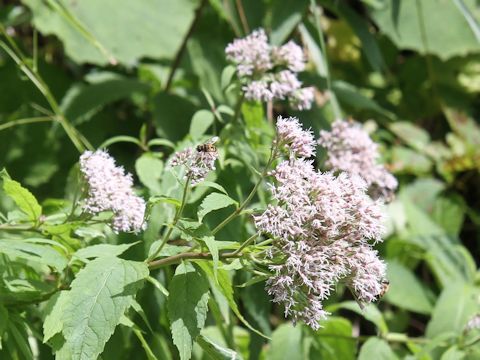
(405, 290)
(378, 349)
(453, 353)
(370, 313)
(187, 307)
(224, 285)
(212, 202)
(200, 123)
(413, 135)
(456, 305)
(3, 322)
(286, 15)
(55, 311)
(286, 343)
(28, 250)
(212, 185)
(215, 351)
(102, 250)
(149, 170)
(23, 198)
(213, 249)
(99, 297)
(139, 36)
(332, 342)
(420, 25)
(81, 101)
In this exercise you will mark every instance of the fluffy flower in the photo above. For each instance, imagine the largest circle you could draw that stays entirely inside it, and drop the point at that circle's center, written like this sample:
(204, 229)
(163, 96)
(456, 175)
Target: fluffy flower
(197, 163)
(290, 55)
(269, 72)
(251, 54)
(322, 227)
(291, 135)
(473, 323)
(350, 149)
(111, 189)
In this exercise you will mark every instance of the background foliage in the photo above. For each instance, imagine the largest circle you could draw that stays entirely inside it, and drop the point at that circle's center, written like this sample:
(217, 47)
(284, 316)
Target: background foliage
(146, 78)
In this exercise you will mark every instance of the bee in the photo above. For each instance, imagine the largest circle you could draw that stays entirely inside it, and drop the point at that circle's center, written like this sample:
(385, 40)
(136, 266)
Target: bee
(208, 147)
(385, 287)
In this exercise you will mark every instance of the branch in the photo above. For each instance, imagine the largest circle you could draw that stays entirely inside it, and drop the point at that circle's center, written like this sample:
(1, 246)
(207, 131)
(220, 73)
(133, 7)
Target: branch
(156, 264)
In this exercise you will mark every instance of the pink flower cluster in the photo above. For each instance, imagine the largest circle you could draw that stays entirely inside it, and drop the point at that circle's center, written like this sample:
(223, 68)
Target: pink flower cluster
(111, 189)
(350, 149)
(321, 225)
(270, 72)
(197, 163)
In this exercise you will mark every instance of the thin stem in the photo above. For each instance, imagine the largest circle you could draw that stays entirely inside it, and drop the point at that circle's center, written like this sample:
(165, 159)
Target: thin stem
(246, 243)
(238, 107)
(152, 265)
(250, 196)
(242, 16)
(177, 217)
(183, 46)
(25, 121)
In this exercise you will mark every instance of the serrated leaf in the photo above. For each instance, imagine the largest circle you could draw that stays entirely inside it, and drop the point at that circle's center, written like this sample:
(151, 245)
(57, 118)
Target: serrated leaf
(30, 251)
(102, 250)
(212, 202)
(22, 197)
(187, 307)
(215, 351)
(55, 309)
(99, 297)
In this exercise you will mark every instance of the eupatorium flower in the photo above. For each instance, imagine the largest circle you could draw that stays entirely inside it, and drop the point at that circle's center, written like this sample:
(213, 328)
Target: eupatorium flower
(291, 136)
(350, 149)
(322, 226)
(270, 72)
(111, 189)
(198, 163)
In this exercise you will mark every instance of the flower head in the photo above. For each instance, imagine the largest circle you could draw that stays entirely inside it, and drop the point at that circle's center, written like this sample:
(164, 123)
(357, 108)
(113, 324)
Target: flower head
(351, 149)
(111, 189)
(198, 163)
(323, 226)
(269, 72)
(294, 138)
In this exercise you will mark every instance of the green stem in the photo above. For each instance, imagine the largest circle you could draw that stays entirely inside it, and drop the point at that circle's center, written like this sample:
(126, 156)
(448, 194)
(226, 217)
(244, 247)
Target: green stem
(156, 264)
(25, 121)
(250, 196)
(238, 107)
(177, 216)
(246, 243)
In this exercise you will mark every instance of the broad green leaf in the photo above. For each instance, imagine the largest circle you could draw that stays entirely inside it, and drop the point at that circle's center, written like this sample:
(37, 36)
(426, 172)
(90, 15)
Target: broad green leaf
(53, 323)
(81, 102)
(200, 123)
(332, 340)
(23, 198)
(405, 289)
(449, 213)
(420, 26)
(456, 305)
(213, 249)
(101, 250)
(286, 15)
(214, 201)
(28, 250)
(99, 297)
(378, 349)
(215, 351)
(411, 134)
(224, 285)
(212, 185)
(370, 313)
(406, 160)
(149, 170)
(286, 343)
(139, 36)
(187, 307)
(453, 353)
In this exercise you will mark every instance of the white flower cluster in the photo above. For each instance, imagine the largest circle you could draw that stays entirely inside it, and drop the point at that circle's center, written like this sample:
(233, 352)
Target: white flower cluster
(270, 72)
(321, 226)
(291, 136)
(111, 189)
(350, 149)
(197, 163)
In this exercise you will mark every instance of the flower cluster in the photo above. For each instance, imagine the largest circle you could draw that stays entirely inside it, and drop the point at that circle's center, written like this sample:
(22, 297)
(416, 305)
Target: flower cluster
(111, 189)
(290, 135)
(321, 225)
(351, 149)
(270, 72)
(198, 163)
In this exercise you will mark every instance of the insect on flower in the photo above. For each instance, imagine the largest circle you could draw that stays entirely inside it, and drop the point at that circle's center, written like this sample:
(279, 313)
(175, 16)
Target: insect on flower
(209, 146)
(385, 287)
